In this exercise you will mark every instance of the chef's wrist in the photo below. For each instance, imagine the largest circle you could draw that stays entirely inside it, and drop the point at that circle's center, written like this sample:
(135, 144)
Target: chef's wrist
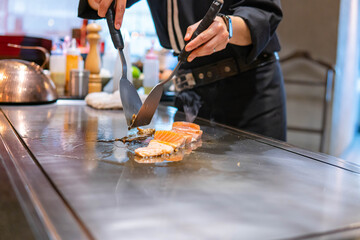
(228, 22)
(241, 32)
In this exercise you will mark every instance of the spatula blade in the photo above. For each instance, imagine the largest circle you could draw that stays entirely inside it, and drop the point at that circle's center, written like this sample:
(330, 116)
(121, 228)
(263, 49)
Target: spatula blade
(130, 99)
(149, 107)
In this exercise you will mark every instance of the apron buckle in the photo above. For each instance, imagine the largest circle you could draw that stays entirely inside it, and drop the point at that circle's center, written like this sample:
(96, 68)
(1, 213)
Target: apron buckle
(184, 81)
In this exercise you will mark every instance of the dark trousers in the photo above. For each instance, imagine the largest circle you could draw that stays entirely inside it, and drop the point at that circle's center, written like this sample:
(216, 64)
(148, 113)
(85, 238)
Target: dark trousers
(253, 101)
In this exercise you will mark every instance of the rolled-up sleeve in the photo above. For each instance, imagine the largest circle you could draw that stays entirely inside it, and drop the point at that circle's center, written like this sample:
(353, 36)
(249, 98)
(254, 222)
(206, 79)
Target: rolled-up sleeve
(85, 11)
(262, 17)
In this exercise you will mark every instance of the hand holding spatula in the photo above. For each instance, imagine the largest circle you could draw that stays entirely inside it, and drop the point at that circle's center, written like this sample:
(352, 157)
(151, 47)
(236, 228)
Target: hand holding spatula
(129, 96)
(147, 110)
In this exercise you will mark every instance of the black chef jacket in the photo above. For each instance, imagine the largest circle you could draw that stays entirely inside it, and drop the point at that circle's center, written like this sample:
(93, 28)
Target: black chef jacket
(253, 100)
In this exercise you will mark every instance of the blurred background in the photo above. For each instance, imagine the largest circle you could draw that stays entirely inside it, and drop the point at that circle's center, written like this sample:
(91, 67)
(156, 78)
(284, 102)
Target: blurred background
(319, 57)
(55, 20)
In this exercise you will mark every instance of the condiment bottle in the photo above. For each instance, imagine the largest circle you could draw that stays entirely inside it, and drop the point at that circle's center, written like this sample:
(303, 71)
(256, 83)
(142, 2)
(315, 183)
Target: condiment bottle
(151, 71)
(72, 61)
(57, 72)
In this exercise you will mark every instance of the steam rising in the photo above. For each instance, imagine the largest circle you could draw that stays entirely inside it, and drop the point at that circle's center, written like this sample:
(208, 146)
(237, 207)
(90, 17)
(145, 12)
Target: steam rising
(191, 103)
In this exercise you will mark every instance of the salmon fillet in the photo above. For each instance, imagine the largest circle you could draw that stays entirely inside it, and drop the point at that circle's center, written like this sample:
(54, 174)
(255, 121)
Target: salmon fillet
(175, 157)
(167, 142)
(171, 138)
(195, 134)
(155, 148)
(187, 136)
(148, 160)
(186, 125)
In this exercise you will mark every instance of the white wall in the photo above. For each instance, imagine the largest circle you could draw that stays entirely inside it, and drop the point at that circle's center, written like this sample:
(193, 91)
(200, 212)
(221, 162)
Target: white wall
(310, 25)
(329, 30)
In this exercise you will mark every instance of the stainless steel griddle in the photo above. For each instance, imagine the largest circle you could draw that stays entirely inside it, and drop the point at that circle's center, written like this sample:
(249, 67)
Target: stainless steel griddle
(235, 186)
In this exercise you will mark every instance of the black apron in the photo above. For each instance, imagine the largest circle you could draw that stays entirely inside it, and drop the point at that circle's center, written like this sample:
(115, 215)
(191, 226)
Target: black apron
(253, 101)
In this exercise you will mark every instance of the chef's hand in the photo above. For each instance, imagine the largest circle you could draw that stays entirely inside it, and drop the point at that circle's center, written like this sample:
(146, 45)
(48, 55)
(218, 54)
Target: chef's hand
(216, 37)
(213, 39)
(103, 5)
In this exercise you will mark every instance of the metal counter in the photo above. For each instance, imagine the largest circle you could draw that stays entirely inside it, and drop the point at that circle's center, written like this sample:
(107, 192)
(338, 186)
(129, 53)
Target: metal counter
(236, 185)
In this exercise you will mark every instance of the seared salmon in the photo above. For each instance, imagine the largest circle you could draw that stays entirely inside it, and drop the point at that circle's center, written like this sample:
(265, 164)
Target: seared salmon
(167, 142)
(186, 125)
(175, 157)
(155, 148)
(171, 138)
(188, 137)
(195, 134)
(188, 128)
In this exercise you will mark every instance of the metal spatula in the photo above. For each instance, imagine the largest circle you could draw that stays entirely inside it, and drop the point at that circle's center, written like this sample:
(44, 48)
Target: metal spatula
(151, 103)
(129, 96)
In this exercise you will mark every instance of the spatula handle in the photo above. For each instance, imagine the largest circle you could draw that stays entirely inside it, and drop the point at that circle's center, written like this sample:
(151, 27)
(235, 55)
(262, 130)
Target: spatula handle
(115, 34)
(204, 24)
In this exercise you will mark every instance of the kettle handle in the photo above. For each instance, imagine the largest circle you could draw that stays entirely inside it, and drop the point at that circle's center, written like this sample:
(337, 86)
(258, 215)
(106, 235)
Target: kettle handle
(43, 50)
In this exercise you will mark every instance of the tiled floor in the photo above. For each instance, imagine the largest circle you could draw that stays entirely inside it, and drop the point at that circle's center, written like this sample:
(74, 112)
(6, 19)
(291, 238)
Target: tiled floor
(353, 153)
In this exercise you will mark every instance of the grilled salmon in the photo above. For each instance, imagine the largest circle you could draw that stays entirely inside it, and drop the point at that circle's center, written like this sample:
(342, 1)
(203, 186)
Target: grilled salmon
(175, 157)
(171, 138)
(195, 134)
(188, 137)
(186, 125)
(155, 148)
(167, 142)
(189, 129)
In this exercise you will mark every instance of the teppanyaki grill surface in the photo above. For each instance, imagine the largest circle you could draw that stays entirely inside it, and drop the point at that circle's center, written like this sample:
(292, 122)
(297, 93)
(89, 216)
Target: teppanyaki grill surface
(235, 185)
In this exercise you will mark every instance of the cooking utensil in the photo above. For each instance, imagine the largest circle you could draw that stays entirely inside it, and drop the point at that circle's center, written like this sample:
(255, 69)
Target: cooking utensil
(25, 82)
(129, 96)
(151, 103)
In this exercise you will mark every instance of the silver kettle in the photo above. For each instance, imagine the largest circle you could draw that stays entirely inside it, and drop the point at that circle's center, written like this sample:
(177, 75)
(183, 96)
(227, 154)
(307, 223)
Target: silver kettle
(23, 82)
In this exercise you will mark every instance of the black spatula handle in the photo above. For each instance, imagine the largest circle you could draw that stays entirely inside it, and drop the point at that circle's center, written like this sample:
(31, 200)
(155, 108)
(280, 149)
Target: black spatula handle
(209, 17)
(115, 34)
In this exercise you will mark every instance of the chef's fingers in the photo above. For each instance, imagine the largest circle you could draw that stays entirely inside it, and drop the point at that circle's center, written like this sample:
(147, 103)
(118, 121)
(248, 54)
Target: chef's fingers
(215, 44)
(204, 51)
(190, 30)
(103, 7)
(94, 4)
(218, 27)
(120, 10)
